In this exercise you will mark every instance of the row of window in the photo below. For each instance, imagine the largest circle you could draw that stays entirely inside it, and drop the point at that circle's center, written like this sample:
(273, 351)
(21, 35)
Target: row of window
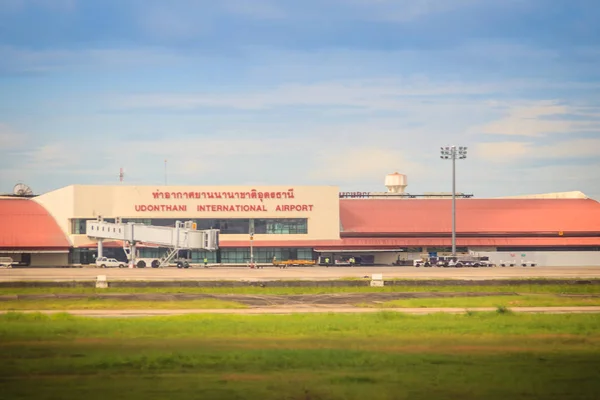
(264, 255)
(280, 226)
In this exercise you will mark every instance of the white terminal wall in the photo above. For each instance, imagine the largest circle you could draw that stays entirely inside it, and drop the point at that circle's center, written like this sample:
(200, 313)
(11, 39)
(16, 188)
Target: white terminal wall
(90, 201)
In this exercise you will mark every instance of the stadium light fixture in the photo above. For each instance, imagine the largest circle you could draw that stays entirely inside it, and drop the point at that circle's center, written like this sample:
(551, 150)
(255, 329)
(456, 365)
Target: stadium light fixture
(453, 153)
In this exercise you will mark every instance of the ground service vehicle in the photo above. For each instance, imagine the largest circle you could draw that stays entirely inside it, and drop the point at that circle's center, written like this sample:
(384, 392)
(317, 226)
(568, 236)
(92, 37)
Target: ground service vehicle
(471, 261)
(514, 263)
(403, 262)
(296, 263)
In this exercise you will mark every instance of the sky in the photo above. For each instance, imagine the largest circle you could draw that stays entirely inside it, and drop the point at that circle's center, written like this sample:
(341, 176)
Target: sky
(311, 92)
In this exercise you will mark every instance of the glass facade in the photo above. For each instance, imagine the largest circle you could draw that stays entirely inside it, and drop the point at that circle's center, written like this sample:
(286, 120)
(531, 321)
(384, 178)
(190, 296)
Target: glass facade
(86, 256)
(196, 256)
(281, 226)
(264, 254)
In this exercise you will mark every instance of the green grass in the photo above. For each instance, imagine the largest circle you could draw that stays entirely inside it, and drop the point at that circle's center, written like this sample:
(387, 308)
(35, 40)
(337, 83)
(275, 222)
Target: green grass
(489, 301)
(385, 324)
(94, 303)
(378, 356)
(521, 288)
(110, 304)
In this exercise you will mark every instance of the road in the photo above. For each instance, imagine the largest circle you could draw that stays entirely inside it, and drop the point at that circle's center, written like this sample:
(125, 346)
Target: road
(312, 310)
(294, 273)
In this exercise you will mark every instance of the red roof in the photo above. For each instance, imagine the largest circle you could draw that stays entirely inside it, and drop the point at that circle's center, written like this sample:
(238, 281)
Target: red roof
(25, 224)
(394, 243)
(427, 216)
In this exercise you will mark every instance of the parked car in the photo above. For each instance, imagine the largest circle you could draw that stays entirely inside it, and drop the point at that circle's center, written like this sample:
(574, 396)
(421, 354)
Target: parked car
(104, 262)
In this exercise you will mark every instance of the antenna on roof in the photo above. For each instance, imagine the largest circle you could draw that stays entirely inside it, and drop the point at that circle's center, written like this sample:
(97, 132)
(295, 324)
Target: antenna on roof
(22, 189)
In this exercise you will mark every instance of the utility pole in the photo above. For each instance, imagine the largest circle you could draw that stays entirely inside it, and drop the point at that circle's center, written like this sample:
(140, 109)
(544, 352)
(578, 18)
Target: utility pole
(453, 153)
(165, 172)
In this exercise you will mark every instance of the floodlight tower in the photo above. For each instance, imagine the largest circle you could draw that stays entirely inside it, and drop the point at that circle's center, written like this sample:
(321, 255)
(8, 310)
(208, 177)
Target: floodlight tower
(453, 153)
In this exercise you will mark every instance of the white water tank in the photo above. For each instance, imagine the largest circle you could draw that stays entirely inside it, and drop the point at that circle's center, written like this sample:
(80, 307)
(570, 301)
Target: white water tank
(396, 183)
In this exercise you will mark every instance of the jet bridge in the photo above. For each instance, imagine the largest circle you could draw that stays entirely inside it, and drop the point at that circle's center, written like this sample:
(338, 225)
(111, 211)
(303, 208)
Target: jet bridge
(183, 236)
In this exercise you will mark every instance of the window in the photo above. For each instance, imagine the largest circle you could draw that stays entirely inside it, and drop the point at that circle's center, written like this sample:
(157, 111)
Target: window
(197, 257)
(264, 254)
(78, 226)
(281, 226)
(235, 256)
(149, 253)
(227, 226)
(145, 221)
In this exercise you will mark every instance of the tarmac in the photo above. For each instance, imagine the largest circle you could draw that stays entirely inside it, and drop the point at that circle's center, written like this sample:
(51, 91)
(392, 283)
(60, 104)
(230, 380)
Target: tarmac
(313, 310)
(293, 273)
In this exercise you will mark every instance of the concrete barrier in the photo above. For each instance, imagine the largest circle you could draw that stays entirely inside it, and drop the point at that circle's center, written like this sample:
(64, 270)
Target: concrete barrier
(101, 282)
(377, 280)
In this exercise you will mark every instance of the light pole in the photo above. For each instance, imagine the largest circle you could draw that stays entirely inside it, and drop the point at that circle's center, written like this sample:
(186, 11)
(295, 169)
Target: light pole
(251, 247)
(453, 153)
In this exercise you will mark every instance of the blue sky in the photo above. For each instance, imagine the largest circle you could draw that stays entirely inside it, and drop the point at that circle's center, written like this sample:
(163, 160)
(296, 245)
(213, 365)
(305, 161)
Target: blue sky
(335, 92)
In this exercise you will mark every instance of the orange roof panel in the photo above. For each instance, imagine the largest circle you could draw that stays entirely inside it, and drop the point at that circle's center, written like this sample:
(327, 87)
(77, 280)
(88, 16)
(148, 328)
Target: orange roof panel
(26, 224)
(414, 216)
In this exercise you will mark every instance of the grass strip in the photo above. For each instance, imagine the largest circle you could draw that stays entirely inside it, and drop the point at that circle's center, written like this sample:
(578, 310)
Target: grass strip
(489, 301)
(111, 304)
(520, 288)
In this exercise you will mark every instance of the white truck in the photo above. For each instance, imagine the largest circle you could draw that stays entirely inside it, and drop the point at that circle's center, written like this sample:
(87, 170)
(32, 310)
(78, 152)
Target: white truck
(453, 262)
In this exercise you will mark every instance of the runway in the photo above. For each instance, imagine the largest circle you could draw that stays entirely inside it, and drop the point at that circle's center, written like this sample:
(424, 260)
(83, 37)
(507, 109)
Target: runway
(294, 273)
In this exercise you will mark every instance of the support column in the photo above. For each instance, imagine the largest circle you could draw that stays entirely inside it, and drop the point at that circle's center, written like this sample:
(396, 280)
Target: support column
(133, 254)
(100, 248)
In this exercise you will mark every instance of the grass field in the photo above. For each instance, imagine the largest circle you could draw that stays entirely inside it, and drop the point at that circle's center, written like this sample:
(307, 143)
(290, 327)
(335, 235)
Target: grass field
(377, 356)
(109, 304)
(538, 300)
(530, 295)
(523, 287)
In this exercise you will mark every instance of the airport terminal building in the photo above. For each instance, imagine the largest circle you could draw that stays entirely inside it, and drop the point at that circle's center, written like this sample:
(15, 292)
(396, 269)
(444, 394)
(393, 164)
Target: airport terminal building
(303, 223)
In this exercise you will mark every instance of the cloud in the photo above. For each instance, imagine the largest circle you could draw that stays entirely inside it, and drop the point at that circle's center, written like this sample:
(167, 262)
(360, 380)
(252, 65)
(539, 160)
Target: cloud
(9, 138)
(12, 6)
(508, 152)
(345, 165)
(531, 121)
(371, 94)
(53, 156)
(405, 10)
(259, 9)
(13, 59)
